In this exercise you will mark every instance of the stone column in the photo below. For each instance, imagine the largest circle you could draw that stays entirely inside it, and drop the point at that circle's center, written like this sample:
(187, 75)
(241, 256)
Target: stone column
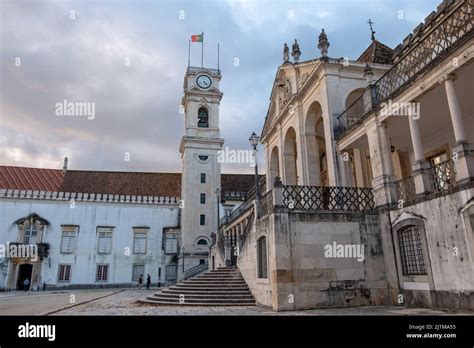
(359, 163)
(421, 168)
(382, 168)
(463, 151)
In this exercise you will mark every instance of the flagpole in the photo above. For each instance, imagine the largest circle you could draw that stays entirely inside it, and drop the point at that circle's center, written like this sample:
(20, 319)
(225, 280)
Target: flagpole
(202, 51)
(218, 56)
(189, 52)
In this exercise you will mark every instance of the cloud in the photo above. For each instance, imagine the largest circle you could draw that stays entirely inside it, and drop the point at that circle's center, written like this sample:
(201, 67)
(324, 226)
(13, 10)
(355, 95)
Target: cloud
(85, 59)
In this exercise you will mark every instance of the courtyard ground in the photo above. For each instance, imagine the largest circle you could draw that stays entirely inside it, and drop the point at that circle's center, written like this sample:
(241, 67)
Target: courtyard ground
(124, 302)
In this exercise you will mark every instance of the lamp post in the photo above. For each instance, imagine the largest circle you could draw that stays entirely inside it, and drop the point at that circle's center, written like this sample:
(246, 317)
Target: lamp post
(218, 197)
(183, 249)
(254, 139)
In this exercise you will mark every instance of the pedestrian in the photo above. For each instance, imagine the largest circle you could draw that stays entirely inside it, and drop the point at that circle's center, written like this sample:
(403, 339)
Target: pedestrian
(26, 284)
(44, 286)
(140, 281)
(148, 282)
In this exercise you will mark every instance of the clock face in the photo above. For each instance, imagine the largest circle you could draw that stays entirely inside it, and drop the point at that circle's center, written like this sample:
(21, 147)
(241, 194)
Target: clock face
(204, 81)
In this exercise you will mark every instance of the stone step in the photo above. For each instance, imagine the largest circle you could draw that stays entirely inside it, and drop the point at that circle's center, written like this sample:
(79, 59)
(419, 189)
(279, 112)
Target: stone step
(199, 300)
(198, 296)
(227, 281)
(207, 288)
(221, 287)
(207, 303)
(204, 292)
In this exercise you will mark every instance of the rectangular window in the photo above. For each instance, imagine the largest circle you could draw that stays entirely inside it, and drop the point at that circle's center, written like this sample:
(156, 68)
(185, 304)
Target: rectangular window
(203, 198)
(203, 178)
(171, 272)
(105, 240)
(137, 270)
(411, 251)
(171, 243)
(202, 219)
(139, 240)
(102, 273)
(68, 239)
(64, 273)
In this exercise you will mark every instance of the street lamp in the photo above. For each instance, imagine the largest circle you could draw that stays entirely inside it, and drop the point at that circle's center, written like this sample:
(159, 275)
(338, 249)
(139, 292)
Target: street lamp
(218, 196)
(183, 249)
(254, 140)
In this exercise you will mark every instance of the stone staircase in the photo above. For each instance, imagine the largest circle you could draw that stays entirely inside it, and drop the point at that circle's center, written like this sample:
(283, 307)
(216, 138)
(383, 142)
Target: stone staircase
(224, 286)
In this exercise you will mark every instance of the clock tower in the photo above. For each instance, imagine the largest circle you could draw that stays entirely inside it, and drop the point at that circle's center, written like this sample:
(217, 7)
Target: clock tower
(201, 174)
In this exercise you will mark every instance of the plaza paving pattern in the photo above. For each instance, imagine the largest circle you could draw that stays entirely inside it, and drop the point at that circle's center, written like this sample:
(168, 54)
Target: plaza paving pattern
(124, 302)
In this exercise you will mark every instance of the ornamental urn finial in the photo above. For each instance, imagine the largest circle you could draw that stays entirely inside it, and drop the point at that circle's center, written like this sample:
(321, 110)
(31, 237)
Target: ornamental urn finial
(286, 54)
(323, 44)
(295, 52)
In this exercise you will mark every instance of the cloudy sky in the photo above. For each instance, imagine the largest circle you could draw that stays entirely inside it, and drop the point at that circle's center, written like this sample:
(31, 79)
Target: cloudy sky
(78, 51)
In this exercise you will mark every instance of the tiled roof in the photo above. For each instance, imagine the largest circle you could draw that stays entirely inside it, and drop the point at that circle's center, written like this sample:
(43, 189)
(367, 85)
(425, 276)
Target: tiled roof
(377, 52)
(116, 183)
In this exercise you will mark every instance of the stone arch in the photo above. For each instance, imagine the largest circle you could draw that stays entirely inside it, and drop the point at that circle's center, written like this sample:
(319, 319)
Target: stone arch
(203, 117)
(274, 167)
(290, 156)
(352, 96)
(315, 145)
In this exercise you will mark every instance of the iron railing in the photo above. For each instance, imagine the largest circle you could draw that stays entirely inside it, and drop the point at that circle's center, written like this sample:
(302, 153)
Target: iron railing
(440, 38)
(191, 272)
(197, 69)
(265, 204)
(248, 227)
(406, 189)
(444, 176)
(335, 198)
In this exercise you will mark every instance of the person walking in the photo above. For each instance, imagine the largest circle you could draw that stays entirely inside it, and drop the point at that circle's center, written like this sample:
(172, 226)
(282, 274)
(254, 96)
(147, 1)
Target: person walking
(148, 282)
(140, 281)
(26, 284)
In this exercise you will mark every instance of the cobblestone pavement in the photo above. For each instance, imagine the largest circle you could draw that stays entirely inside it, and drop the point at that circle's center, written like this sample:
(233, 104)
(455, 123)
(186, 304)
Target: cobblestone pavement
(125, 303)
(40, 303)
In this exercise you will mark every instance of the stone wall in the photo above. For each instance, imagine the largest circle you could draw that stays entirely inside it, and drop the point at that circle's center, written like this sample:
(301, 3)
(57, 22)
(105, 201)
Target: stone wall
(247, 262)
(447, 235)
(302, 276)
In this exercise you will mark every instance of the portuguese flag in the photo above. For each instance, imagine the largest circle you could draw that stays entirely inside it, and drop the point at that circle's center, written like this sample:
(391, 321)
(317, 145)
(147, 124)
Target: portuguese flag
(197, 38)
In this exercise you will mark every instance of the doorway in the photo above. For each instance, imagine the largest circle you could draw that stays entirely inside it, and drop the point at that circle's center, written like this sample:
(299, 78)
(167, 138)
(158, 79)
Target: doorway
(24, 272)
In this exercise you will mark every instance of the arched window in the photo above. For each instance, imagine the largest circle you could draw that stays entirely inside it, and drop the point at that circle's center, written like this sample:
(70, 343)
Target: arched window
(262, 257)
(202, 241)
(30, 233)
(411, 251)
(203, 118)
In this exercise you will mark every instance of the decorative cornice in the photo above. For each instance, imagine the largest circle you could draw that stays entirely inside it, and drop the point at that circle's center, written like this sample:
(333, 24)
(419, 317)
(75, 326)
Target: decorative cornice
(86, 197)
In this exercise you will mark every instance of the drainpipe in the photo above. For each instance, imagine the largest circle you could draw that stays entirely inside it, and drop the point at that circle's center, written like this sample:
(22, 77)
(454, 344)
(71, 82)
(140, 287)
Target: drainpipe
(400, 290)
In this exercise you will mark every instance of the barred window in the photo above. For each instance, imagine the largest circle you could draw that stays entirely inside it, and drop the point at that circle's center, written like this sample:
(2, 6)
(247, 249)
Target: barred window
(139, 241)
(102, 272)
(203, 178)
(262, 257)
(137, 271)
(68, 239)
(171, 271)
(64, 273)
(411, 251)
(202, 219)
(105, 240)
(171, 243)
(203, 198)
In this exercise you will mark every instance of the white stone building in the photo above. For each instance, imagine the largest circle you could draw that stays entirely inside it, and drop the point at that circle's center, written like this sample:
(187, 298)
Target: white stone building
(377, 153)
(103, 229)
